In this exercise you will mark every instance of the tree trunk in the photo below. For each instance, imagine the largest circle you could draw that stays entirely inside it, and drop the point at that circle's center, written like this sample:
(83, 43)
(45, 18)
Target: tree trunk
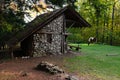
(111, 34)
(103, 33)
(97, 24)
(107, 25)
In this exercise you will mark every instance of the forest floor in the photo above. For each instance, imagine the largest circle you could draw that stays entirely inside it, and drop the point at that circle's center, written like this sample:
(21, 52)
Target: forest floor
(12, 69)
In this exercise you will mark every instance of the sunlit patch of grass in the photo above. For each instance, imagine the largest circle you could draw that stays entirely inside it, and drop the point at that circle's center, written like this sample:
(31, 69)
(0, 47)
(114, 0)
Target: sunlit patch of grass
(94, 62)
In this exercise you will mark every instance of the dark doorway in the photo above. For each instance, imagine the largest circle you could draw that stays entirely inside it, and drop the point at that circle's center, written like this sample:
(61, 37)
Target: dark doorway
(26, 46)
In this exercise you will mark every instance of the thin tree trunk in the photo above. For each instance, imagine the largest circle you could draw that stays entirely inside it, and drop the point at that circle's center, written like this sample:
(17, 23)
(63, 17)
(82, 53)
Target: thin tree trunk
(107, 25)
(111, 35)
(97, 24)
(103, 29)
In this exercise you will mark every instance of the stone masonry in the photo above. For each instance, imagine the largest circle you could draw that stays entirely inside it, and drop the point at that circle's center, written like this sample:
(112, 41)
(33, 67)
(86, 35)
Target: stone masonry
(41, 45)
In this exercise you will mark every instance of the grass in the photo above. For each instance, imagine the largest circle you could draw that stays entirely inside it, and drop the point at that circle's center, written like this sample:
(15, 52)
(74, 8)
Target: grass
(94, 62)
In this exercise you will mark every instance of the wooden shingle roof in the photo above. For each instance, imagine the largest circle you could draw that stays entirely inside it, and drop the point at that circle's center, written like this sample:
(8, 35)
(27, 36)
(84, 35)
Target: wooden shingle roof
(42, 20)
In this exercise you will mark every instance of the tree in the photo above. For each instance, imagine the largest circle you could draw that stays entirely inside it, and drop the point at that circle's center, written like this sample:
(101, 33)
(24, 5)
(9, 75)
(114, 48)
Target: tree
(112, 24)
(11, 20)
(99, 13)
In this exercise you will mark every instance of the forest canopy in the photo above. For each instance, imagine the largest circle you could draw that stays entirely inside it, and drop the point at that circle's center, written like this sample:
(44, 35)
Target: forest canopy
(103, 15)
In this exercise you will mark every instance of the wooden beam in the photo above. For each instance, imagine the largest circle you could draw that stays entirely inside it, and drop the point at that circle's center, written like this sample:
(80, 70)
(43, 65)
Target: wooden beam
(63, 36)
(54, 33)
(7, 49)
(68, 20)
(67, 33)
(11, 52)
(48, 33)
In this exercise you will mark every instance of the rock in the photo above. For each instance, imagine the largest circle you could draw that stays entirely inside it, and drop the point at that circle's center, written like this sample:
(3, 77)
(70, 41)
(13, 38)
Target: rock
(48, 67)
(65, 76)
(23, 73)
(71, 78)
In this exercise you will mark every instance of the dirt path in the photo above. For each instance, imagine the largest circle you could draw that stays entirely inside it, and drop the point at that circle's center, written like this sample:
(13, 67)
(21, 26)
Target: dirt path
(17, 68)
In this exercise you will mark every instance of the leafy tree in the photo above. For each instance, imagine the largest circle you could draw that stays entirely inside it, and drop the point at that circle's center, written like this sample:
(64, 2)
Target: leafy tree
(103, 18)
(11, 20)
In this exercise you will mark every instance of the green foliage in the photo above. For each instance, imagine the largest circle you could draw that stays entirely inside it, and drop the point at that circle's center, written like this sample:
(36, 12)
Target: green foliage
(80, 35)
(75, 35)
(95, 63)
(10, 23)
(99, 13)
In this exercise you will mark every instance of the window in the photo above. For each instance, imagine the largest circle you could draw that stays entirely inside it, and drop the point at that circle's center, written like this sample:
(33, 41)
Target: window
(49, 38)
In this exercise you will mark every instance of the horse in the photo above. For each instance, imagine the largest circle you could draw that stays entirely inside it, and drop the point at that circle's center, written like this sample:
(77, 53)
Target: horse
(91, 40)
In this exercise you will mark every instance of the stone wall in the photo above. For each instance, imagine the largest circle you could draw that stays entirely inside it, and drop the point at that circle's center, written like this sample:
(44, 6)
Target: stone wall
(40, 40)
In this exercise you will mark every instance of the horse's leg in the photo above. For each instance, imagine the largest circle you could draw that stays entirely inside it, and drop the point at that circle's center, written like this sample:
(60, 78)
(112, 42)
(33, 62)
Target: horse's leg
(88, 43)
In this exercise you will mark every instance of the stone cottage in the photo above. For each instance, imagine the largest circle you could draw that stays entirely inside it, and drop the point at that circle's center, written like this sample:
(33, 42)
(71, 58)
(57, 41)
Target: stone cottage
(47, 33)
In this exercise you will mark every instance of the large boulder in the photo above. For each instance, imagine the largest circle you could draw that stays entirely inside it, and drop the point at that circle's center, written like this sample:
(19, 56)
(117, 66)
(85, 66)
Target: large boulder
(48, 67)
